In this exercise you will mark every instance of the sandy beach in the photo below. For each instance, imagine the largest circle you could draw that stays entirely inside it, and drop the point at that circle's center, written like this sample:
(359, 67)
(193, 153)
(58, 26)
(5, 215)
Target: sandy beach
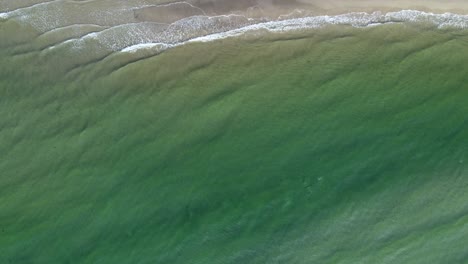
(266, 8)
(455, 6)
(272, 9)
(321, 7)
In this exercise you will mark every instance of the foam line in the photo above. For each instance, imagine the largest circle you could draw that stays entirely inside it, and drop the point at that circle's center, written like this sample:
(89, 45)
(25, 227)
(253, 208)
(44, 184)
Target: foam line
(355, 19)
(17, 11)
(134, 48)
(171, 4)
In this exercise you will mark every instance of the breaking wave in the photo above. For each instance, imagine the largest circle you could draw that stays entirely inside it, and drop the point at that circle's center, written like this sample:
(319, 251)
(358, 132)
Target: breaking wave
(89, 36)
(127, 34)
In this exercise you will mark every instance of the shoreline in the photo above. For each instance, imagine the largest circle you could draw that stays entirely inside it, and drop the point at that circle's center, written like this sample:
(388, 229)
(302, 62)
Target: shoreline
(174, 9)
(163, 26)
(353, 19)
(433, 6)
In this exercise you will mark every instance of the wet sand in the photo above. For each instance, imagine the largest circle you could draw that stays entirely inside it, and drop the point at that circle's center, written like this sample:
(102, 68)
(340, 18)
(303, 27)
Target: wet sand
(272, 9)
(320, 7)
(266, 8)
(455, 6)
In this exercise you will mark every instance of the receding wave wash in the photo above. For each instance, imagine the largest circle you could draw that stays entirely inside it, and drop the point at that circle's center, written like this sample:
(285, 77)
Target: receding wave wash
(220, 131)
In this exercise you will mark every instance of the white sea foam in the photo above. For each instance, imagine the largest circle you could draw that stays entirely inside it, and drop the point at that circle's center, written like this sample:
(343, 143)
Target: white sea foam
(24, 10)
(130, 36)
(135, 48)
(171, 4)
(355, 19)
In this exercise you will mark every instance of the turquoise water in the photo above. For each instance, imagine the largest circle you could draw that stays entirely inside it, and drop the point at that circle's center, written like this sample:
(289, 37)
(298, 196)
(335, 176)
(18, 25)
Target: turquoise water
(329, 145)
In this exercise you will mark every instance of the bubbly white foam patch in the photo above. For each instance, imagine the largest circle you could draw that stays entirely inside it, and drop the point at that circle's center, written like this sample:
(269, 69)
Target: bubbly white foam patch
(135, 48)
(46, 16)
(25, 11)
(180, 3)
(441, 20)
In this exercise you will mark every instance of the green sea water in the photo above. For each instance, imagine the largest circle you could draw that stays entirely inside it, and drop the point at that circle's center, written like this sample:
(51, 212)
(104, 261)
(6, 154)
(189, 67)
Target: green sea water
(331, 145)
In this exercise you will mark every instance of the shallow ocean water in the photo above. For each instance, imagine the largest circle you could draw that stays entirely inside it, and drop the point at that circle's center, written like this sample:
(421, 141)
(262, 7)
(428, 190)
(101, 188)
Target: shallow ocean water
(333, 144)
